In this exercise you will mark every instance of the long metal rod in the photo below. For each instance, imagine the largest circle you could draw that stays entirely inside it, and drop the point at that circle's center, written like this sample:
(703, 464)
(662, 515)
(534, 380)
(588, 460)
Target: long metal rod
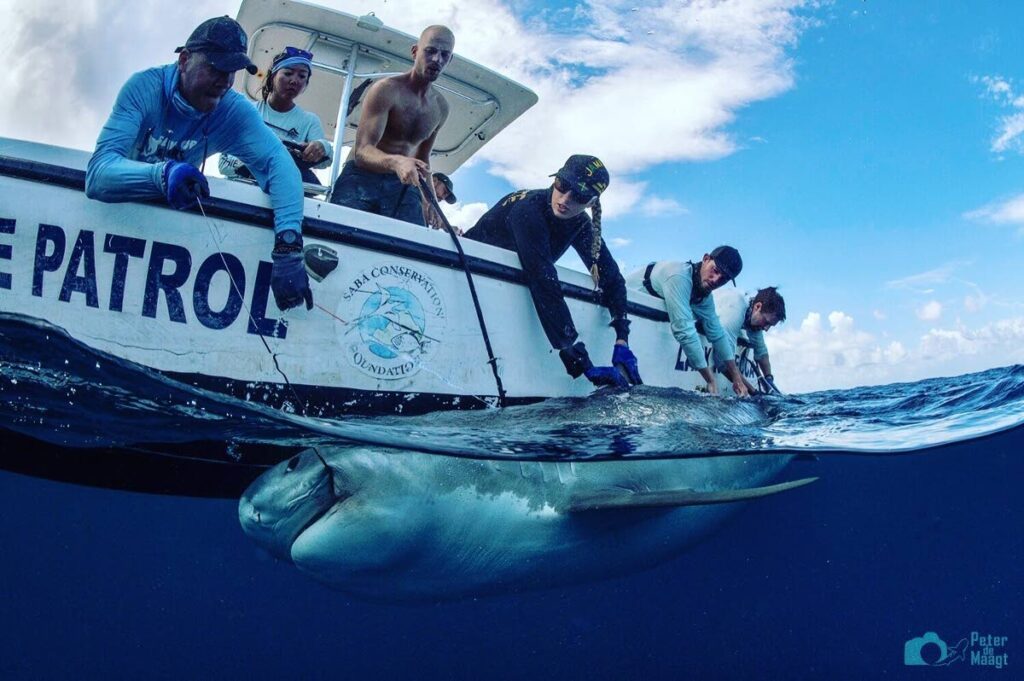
(428, 193)
(339, 126)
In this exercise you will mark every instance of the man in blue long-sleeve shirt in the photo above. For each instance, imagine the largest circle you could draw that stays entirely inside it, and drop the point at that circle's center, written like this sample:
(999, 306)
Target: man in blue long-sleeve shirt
(541, 225)
(167, 120)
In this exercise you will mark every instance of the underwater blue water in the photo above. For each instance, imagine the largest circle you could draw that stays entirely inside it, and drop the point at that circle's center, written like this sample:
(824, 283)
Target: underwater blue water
(914, 526)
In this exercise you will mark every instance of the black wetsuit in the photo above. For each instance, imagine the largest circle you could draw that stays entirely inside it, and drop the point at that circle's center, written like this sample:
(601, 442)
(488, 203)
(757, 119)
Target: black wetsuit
(524, 222)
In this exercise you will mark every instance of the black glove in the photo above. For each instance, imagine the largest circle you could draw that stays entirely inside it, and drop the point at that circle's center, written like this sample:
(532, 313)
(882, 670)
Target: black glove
(624, 360)
(575, 359)
(183, 184)
(289, 280)
(606, 376)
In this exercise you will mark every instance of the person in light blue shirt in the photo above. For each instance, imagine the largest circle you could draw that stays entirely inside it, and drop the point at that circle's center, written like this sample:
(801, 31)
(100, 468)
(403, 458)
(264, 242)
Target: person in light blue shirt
(167, 120)
(686, 289)
(299, 130)
(746, 320)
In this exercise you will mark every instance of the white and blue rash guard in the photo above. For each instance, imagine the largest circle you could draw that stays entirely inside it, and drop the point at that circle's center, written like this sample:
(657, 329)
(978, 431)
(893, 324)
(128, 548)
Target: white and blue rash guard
(673, 282)
(151, 123)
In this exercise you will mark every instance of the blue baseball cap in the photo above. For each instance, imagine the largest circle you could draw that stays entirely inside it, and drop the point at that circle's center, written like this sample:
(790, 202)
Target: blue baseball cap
(224, 42)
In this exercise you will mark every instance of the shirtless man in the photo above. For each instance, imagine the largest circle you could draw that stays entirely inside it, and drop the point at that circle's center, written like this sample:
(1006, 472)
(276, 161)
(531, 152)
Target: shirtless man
(400, 120)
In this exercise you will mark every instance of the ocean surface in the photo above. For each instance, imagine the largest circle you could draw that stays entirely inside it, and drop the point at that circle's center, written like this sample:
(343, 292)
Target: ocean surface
(914, 526)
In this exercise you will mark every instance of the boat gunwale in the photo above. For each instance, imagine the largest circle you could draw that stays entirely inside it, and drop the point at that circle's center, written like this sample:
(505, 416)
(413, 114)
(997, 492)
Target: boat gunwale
(320, 228)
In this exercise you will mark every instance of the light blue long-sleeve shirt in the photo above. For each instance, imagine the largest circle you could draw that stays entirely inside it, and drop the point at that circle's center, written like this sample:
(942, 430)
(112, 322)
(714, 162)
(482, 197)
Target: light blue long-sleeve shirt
(673, 281)
(152, 123)
(732, 307)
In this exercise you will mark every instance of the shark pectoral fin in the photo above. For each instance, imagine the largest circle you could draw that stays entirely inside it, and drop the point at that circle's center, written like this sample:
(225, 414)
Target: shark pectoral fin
(598, 501)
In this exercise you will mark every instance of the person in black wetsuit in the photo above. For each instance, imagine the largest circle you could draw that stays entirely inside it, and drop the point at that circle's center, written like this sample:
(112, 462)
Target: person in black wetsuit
(541, 225)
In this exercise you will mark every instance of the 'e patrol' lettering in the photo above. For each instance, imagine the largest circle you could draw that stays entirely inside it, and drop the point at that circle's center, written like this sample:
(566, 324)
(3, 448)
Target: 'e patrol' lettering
(167, 272)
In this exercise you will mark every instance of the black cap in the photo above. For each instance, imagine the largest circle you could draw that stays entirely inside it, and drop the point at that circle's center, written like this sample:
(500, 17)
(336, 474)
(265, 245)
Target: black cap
(585, 174)
(729, 261)
(224, 43)
(447, 182)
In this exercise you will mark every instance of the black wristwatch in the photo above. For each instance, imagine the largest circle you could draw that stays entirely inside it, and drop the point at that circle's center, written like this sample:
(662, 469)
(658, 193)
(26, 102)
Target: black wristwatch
(287, 241)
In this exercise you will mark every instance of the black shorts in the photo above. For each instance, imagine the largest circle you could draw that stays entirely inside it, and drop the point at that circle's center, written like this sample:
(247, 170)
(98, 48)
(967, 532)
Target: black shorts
(379, 193)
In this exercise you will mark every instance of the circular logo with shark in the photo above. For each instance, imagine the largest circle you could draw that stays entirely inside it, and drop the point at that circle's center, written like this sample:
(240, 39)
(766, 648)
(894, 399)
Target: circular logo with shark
(395, 321)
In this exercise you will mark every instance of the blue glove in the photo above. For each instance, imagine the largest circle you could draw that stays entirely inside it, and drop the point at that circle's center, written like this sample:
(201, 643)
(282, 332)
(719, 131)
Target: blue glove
(624, 360)
(184, 184)
(606, 376)
(288, 279)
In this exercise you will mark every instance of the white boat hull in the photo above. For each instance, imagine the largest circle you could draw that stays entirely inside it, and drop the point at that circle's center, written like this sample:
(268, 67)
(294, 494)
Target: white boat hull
(394, 329)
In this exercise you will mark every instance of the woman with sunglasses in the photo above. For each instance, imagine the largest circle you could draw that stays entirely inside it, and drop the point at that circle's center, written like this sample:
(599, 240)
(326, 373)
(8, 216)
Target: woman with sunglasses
(299, 130)
(541, 225)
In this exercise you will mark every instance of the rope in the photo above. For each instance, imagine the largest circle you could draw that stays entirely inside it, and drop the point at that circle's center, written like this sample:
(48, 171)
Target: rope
(248, 311)
(429, 196)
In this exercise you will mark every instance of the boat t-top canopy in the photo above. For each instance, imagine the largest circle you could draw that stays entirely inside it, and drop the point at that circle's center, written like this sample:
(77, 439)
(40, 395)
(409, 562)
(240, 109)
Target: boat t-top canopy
(349, 52)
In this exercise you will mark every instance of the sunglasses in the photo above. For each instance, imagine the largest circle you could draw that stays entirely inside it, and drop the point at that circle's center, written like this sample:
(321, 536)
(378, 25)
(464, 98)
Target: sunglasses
(574, 194)
(294, 52)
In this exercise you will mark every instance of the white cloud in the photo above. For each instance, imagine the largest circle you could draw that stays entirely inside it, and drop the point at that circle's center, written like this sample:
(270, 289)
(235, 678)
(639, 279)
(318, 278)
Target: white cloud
(64, 62)
(1010, 211)
(930, 311)
(997, 87)
(879, 315)
(946, 344)
(1010, 128)
(694, 66)
(655, 206)
(923, 281)
(814, 356)
(619, 242)
(975, 303)
(464, 215)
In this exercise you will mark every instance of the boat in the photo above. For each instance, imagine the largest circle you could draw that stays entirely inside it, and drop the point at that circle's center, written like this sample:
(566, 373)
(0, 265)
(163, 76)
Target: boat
(395, 329)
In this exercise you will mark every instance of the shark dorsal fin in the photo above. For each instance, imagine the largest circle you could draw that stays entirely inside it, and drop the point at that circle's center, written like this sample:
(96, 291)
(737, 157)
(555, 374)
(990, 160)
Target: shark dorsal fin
(621, 499)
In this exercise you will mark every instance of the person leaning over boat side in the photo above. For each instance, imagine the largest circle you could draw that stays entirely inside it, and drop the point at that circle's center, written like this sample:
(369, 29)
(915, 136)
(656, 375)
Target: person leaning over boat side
(540, 225)
(167, 120)
(400, 120)
(749, 319)
(287, 78)
(686, 288)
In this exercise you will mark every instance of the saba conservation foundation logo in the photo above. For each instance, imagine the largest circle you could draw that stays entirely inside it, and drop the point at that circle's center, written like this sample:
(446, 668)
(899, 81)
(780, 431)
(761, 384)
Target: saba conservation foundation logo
(396, 320)
(976, 650)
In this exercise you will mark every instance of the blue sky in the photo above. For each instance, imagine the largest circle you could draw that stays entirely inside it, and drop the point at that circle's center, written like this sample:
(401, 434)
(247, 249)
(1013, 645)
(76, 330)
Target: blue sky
(865, 156)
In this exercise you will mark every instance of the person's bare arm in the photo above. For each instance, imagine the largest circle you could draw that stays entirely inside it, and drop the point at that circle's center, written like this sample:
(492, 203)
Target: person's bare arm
(766, 366)
(372, 124)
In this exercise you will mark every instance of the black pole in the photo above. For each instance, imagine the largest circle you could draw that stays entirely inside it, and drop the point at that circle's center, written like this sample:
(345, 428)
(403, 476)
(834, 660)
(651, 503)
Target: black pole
(429, 195)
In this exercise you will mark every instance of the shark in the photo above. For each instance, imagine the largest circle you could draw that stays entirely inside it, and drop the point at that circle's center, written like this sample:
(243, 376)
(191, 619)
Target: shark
(400, 526)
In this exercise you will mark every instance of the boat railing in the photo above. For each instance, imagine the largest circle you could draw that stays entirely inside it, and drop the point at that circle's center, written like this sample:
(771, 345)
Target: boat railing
(349, 70)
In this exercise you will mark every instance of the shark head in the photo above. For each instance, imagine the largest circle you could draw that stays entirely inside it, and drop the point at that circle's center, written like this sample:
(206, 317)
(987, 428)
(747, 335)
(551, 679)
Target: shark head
(287, 499)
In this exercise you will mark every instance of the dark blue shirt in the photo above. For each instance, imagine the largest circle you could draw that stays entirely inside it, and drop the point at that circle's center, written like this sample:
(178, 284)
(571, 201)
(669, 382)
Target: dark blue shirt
(524, 222)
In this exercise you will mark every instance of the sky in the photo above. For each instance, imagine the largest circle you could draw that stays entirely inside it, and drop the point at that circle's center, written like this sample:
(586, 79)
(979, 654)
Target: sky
(864, 156)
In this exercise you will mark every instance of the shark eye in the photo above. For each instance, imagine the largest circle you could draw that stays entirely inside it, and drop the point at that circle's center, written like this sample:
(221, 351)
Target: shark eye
(293, 463)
